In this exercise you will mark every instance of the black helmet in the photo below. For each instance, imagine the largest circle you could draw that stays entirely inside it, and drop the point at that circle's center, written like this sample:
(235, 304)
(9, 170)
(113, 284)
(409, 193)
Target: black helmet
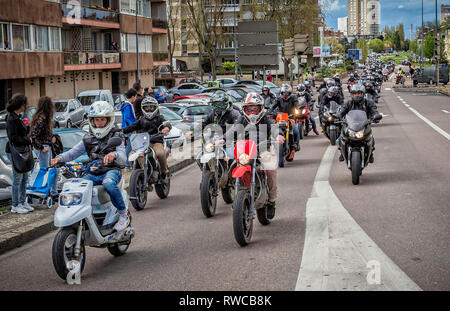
(357, 93)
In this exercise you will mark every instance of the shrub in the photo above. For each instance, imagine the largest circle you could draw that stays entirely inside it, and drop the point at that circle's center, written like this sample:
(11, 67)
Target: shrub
(228, 66)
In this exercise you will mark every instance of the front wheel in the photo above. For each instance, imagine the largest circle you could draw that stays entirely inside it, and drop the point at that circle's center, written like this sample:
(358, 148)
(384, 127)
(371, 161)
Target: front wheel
(138, 189)
(63, 251)
(302, 130)
(333, 137)
(356, 167)
(242, 222)
(207, 196)
(162, 189)
(281, 155)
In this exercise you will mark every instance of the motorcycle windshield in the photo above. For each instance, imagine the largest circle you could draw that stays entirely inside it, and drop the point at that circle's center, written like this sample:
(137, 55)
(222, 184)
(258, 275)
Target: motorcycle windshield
(356, 120)
(140, 142)
(333, 107)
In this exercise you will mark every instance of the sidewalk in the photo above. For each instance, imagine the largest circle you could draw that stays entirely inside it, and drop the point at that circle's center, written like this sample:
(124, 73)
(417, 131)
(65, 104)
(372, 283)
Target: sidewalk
(18, 229)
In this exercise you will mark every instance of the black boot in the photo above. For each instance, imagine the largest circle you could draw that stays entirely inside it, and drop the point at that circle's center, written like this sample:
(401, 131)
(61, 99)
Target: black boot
(341, 158)
(270, 210)
(371, 159)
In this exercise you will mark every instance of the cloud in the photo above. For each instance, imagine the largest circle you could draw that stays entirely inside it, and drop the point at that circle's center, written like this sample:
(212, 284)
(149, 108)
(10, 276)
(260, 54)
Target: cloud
(401, 6)
(331, 5)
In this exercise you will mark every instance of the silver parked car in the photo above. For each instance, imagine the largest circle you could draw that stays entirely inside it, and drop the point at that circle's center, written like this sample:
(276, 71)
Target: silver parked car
(5, 163)
(68, 112)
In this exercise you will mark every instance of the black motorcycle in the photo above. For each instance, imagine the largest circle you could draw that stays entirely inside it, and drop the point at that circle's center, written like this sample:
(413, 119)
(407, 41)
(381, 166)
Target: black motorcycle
(356, 142)
(332, 126)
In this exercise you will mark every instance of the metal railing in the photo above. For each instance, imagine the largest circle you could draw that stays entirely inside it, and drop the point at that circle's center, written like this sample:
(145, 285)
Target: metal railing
(93, 14)
(91, 57)
(157, 23)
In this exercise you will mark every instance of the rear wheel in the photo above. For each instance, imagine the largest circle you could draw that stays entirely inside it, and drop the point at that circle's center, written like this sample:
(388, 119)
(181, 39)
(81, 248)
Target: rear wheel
(162, 189)
(228, 194)
(356, 167)
(138, 189)
(207, 198)
(262, 216)
(242, 223)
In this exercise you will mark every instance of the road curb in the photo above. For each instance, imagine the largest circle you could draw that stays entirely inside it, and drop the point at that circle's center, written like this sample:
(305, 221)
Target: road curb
(19, 236)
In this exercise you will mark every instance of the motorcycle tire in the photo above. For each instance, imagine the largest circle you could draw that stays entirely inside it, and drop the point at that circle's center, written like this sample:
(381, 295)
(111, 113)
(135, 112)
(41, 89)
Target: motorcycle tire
(302, 130)
(333, 138)
(356, 167)
(137, 184)
(228, 194)
(119, 249)
(66, 236)
(208, 201)
(262, 216)
(162, 190)
(242, 224)
(281, 156)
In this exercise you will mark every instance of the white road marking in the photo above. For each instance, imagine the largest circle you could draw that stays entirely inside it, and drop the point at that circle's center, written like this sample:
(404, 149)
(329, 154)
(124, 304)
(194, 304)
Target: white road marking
(337, 251)
(384, 115)
(388, 89)
(406, 105)
(445, 111)
(431, 124)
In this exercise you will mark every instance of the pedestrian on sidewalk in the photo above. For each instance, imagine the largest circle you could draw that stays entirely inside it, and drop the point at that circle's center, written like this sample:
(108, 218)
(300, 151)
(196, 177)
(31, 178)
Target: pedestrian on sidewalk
(128, 118)
(41, 137)
(17, 138)
(139, 97)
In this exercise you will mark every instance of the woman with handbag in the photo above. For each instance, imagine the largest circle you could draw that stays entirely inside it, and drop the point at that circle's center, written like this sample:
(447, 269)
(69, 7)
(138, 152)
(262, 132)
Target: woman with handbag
(19, 152)
(41, 137)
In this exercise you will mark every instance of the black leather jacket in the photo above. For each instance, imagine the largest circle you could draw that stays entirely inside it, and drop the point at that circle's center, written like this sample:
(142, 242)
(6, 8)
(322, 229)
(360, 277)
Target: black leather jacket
(326, 102)
(365, 105)
(286, 105)
(144, 125)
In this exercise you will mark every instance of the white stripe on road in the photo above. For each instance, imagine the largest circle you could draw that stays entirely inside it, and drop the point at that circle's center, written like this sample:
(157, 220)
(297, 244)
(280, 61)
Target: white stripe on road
(445, 111)
(337, 253)
(406, 105)
(388, 89)
(433, 126)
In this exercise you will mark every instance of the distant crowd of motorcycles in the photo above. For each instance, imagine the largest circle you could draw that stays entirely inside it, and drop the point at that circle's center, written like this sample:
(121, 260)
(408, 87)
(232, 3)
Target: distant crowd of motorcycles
(239, 173)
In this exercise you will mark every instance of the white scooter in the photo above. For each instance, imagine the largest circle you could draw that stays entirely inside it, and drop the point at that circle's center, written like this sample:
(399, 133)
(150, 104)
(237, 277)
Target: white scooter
(86, 217)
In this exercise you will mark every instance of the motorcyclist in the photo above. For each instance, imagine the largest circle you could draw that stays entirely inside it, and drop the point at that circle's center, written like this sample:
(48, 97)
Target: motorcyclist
(332, 95)
(286, 103)
(370, 90)
(101, 129)
(358, 102)
(255, 121)
(150, 123)
(302, 91)
(269, 98)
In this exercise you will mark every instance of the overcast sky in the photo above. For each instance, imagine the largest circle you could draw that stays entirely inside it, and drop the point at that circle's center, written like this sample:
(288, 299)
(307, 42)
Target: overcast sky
(393, 12)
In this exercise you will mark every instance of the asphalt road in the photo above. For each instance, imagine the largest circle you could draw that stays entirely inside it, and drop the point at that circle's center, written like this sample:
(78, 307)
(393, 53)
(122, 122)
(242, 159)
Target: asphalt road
(402, 204)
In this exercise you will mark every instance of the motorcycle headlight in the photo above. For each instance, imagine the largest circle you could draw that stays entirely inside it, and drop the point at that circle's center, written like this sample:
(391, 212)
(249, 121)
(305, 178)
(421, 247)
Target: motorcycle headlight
(297, 111)
(244, 159)
(330, 119)
(303, 111)
(70, 199)
(209, 147)
(359, 134)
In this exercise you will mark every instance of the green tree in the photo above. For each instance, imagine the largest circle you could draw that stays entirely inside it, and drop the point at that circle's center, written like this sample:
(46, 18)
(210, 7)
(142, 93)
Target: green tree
(428, 47)
(414, 47)
(376, 45)
(362, 45)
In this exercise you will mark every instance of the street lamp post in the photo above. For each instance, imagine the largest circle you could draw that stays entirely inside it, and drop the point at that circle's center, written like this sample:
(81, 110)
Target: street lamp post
(421, 54)
(437, 38)
(235, 42)
(137, 45)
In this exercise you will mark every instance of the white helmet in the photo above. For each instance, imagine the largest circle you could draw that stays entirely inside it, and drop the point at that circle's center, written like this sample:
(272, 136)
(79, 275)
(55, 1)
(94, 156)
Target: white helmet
(150, 107)
(253, 108)
(101, 109)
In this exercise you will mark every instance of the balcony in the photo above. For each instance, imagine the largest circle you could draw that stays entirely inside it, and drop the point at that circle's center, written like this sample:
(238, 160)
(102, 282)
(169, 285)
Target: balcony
(157, 23)
(160, 57)
(90, 60)
(92, 17)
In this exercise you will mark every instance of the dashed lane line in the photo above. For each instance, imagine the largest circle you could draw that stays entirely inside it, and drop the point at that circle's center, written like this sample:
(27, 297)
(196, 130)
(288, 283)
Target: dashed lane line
(338, 254)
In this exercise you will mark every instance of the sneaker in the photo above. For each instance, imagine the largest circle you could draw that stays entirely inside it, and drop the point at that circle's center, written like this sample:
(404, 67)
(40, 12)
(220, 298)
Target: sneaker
(270, 210)
(341, 158)
(122, 223)
(27, 206)
(19, 210)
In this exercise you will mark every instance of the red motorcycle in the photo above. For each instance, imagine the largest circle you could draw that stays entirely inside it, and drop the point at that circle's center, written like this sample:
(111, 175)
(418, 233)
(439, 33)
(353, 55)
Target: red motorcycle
(252, 191)
(303, 117)
(400, 79)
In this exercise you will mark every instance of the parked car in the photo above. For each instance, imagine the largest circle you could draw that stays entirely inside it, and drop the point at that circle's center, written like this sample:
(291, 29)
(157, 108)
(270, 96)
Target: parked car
(186, 89)
(189, 111)
(162, 94)
(428, 75)
(119, 99)
(189, 80)
(27, 116)
(68, 112)
(199, 98)
(228, 82)
(183, 125)
(259, 84)
(212, 84)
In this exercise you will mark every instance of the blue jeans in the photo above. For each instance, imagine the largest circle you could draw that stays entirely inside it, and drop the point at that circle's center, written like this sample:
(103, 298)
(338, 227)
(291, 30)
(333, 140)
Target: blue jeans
(127, 149)
(110, 182)
(313, 122)
(19, 186)
(296, 133)
(44, 161)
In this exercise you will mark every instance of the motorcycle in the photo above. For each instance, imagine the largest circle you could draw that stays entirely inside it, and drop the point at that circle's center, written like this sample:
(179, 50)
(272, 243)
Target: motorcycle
(286, 122)
(400, 79)
(332, 126)
(252, 191)
(86, 217)
(215, 176)
(356, 142)
(146, 170)
(303, 115)
(349, 86)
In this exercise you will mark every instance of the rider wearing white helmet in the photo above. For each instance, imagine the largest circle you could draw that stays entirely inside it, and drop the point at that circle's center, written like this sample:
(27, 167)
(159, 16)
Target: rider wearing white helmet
(151, 123)
(112, 159)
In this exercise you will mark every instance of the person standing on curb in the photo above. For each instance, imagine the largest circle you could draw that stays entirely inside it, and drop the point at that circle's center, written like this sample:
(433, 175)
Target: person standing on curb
(18, 138)
(128, 118)
(41, 137)
(137, 103)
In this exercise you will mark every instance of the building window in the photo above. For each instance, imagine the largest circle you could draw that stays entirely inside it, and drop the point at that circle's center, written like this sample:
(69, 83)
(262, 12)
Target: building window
(144, 7)
(5, 37)
(129, 43)
(55, 39)
(21, 37)
(184, 49)
(41, 38)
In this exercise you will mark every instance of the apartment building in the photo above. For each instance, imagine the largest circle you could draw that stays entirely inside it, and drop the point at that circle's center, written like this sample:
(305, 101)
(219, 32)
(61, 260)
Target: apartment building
(343, 24)
(50, 47)
(363, 17)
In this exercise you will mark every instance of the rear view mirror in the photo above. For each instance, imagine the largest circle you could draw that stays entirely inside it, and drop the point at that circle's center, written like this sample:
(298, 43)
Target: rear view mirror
(114, 141)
